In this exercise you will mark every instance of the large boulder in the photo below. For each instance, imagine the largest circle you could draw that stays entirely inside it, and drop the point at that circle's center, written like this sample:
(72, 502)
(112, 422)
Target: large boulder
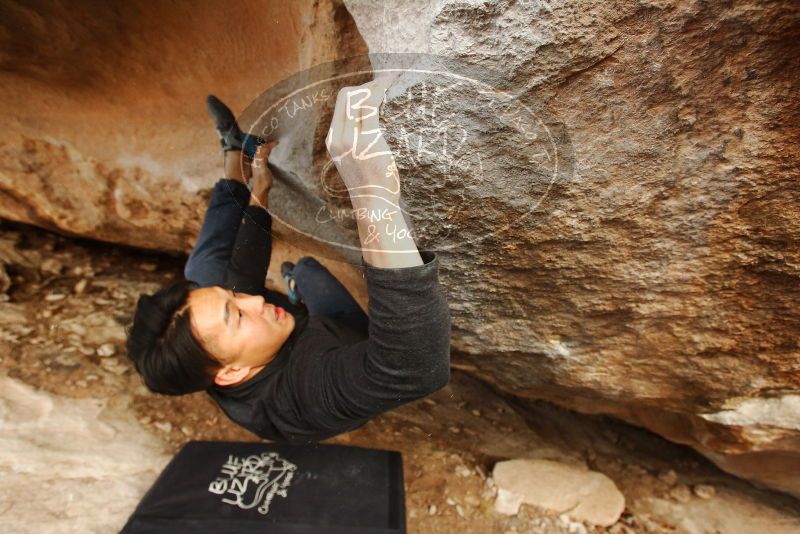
(654, 277)
(660, 283)
(105, 132)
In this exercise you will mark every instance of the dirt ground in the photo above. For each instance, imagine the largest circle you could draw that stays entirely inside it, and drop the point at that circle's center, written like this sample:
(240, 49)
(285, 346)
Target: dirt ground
(76, 296)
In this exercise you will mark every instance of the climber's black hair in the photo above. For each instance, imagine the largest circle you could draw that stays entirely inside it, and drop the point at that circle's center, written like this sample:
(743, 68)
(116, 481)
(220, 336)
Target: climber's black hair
(162, 346)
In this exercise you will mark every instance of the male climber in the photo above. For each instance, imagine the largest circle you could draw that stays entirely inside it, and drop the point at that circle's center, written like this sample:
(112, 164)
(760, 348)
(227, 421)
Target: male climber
(315, 366)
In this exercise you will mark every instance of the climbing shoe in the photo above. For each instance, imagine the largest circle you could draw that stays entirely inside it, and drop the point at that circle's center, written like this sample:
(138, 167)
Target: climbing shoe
(230, 136)
(287, 271)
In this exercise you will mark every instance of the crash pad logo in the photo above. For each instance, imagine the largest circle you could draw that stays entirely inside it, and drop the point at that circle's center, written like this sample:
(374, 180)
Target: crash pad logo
(254, 480)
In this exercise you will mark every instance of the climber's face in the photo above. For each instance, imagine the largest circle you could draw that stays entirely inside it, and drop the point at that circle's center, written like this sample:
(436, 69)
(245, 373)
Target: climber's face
(241, 331)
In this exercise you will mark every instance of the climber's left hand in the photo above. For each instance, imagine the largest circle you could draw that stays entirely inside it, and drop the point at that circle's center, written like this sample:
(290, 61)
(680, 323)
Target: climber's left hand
(262, 177)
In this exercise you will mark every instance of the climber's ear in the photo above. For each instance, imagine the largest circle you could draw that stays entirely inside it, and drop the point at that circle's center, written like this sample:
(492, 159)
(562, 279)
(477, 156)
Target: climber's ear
(231, 374)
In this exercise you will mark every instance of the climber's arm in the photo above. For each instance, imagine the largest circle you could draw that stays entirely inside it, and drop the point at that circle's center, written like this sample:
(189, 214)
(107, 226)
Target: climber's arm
(407, 353)
(320, 394)
(367, 166)
(247, 268)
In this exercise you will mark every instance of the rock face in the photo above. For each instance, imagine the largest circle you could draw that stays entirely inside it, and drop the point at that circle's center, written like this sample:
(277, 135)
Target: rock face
(660, 283)
(106, 133)
(657, 280)
(90, 469)
(582, 494)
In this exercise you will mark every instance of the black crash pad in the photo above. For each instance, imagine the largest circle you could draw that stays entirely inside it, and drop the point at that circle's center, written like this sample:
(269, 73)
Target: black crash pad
(238, 487)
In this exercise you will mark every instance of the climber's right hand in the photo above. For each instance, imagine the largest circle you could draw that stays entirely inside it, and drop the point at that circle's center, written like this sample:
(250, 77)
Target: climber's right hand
(357, 145)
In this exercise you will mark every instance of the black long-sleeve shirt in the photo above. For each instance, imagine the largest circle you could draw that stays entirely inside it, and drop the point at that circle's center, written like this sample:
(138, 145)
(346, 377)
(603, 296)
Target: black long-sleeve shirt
(330, 377)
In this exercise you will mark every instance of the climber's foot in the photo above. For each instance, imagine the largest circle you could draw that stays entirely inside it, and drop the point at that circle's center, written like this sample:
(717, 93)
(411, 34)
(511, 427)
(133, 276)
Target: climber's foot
(230, 135)
(287, 270)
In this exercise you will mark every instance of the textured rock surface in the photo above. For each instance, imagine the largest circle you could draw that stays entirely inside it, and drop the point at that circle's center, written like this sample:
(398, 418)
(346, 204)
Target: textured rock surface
(581, 493)
(105, 129)
(88, 470)
(659, 284)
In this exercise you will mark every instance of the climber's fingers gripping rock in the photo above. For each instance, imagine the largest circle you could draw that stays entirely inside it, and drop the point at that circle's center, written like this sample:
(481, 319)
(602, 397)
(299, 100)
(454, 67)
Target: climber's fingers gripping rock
(357, 145)
(262, 177)
(260, 160)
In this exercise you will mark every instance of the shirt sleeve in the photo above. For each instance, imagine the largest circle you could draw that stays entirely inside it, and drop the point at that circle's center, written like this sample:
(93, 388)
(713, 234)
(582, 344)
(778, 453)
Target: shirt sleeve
(247, 267)
(406, 357)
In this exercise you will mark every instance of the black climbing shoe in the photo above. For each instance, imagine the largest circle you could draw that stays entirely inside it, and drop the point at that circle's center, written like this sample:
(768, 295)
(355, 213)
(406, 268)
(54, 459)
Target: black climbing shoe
(231, 136)
(287, 269)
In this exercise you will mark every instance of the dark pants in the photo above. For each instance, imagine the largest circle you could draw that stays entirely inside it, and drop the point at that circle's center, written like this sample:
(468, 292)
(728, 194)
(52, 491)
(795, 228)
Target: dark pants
(321, 292)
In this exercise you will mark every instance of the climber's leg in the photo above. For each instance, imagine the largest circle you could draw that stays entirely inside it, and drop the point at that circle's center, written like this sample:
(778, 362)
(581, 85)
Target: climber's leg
(323, 294)
(209, 258)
